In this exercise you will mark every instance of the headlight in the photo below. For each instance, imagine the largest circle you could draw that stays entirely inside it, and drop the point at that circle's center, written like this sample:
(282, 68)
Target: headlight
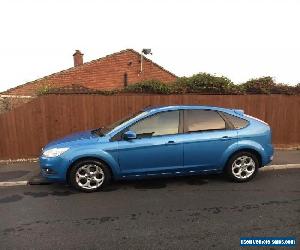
(54, 152)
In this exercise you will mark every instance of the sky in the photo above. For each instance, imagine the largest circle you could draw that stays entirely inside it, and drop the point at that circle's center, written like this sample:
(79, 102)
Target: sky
(240, 39)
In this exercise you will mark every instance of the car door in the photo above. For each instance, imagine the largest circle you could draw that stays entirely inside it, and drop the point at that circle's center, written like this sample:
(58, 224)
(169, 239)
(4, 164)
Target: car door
(156, 149)
(206, 138)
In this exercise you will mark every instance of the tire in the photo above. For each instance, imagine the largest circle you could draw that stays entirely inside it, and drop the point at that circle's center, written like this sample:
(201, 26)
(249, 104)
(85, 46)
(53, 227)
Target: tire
(89, 175)
(242, 167)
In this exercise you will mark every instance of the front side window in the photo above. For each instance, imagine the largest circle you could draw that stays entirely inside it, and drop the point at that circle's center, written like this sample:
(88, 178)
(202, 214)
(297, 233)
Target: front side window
(203, 120)
(164, 123)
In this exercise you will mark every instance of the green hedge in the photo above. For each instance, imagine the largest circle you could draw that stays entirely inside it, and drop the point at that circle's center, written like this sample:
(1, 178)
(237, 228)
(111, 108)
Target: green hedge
(266, 85)
(149, 86)
(204, 83)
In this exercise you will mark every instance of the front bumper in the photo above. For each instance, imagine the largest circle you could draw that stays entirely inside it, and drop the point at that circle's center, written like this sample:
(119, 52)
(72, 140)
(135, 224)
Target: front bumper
(54, 169)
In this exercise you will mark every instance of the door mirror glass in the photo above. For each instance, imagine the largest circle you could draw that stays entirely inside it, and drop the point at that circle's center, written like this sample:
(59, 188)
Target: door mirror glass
(129, 135)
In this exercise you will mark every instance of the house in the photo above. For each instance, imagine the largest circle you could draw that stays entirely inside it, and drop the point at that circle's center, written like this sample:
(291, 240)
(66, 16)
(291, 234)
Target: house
(114, 71)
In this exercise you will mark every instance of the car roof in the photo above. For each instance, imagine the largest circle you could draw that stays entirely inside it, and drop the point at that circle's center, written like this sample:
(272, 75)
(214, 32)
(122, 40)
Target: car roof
(178, 107)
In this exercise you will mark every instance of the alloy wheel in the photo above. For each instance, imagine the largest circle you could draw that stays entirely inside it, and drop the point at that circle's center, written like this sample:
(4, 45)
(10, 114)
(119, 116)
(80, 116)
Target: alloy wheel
(90, 176)
(243, 167)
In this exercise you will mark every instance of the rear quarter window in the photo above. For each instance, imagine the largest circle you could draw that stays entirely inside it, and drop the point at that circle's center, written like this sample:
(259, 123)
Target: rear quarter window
(236, 122)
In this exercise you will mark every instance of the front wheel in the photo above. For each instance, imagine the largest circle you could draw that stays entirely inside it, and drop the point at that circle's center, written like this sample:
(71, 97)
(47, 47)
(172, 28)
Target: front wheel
(89, 175)
(242, 167)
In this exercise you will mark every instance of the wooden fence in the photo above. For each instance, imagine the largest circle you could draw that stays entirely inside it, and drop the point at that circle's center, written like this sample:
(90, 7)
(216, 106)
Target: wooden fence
(26, 129)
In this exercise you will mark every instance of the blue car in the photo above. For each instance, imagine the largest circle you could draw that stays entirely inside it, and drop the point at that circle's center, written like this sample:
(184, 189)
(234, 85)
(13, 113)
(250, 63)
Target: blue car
(161, 141)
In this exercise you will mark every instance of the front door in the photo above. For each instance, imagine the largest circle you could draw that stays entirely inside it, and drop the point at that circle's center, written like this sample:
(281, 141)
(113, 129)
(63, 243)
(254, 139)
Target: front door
(156, 149)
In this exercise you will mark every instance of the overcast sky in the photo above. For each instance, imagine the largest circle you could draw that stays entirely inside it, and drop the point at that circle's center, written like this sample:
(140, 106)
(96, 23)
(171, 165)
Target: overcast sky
(240, 39)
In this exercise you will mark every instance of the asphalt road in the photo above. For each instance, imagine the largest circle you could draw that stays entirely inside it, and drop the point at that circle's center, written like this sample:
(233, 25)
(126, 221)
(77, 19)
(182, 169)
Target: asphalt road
(204, 212)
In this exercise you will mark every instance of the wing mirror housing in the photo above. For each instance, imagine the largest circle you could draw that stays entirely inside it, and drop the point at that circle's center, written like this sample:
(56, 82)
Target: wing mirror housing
(129, 135)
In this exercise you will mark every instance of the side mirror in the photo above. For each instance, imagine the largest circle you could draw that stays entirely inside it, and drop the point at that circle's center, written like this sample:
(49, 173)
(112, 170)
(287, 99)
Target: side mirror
(129, 135)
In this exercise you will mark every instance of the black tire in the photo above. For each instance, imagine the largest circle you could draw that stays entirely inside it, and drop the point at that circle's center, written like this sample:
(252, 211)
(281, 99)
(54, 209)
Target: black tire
(233, 171)
(90, 163)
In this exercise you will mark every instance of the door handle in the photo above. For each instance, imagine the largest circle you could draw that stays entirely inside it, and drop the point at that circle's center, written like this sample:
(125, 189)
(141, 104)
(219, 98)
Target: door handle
(226, 137)
(170, 142)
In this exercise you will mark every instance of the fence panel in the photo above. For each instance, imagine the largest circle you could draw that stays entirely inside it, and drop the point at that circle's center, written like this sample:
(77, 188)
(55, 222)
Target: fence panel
(26, 129)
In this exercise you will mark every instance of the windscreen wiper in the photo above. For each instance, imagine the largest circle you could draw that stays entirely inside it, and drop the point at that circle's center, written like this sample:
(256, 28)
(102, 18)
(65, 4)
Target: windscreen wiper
(98, 131)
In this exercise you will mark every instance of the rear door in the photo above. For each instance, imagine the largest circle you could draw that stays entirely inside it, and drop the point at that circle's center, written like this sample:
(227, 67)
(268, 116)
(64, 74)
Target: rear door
(206, 137)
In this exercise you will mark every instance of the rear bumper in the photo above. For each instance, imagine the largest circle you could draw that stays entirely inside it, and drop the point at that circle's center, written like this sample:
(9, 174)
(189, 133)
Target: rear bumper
(268, 155)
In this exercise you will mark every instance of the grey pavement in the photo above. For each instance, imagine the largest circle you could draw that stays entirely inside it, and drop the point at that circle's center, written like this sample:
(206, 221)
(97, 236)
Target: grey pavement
(19, 171)
(286, 157)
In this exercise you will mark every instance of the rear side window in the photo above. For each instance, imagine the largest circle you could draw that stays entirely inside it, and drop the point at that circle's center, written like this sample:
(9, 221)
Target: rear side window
(236, 122)
(203, 120)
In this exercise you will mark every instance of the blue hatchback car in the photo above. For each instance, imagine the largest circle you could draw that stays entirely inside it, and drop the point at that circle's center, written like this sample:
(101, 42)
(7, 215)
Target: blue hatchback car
(161, 141)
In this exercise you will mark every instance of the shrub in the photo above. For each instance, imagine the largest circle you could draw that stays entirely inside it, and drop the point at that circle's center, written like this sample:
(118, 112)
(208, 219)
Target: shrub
(204, 83)
(149, 86)
(180, 85)
(262, 85)
(107, 92)
(266, 85)
(281, 88)
(207, 84)
(297, 89)
(44, 90)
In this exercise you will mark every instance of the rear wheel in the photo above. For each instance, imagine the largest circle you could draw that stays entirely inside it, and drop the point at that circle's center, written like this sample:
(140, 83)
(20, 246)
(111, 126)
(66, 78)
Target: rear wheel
(89, 175)
(242, 167)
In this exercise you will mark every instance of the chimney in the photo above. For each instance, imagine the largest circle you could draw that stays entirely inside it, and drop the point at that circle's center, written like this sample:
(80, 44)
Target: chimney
(78, 58)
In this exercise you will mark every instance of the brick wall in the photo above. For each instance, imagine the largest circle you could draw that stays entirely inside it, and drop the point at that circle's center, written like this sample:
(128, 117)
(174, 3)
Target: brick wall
(105, 73)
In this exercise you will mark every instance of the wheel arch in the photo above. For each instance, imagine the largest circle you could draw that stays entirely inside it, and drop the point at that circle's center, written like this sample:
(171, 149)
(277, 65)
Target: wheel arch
(249, 150)
(84, 158)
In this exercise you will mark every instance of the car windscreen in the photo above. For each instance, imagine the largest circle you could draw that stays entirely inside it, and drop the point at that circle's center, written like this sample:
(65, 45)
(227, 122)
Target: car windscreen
(105, 130)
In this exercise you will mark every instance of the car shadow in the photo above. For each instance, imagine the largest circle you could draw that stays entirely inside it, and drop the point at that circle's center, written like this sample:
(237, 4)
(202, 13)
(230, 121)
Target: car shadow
(144, 184)
(159, 183)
